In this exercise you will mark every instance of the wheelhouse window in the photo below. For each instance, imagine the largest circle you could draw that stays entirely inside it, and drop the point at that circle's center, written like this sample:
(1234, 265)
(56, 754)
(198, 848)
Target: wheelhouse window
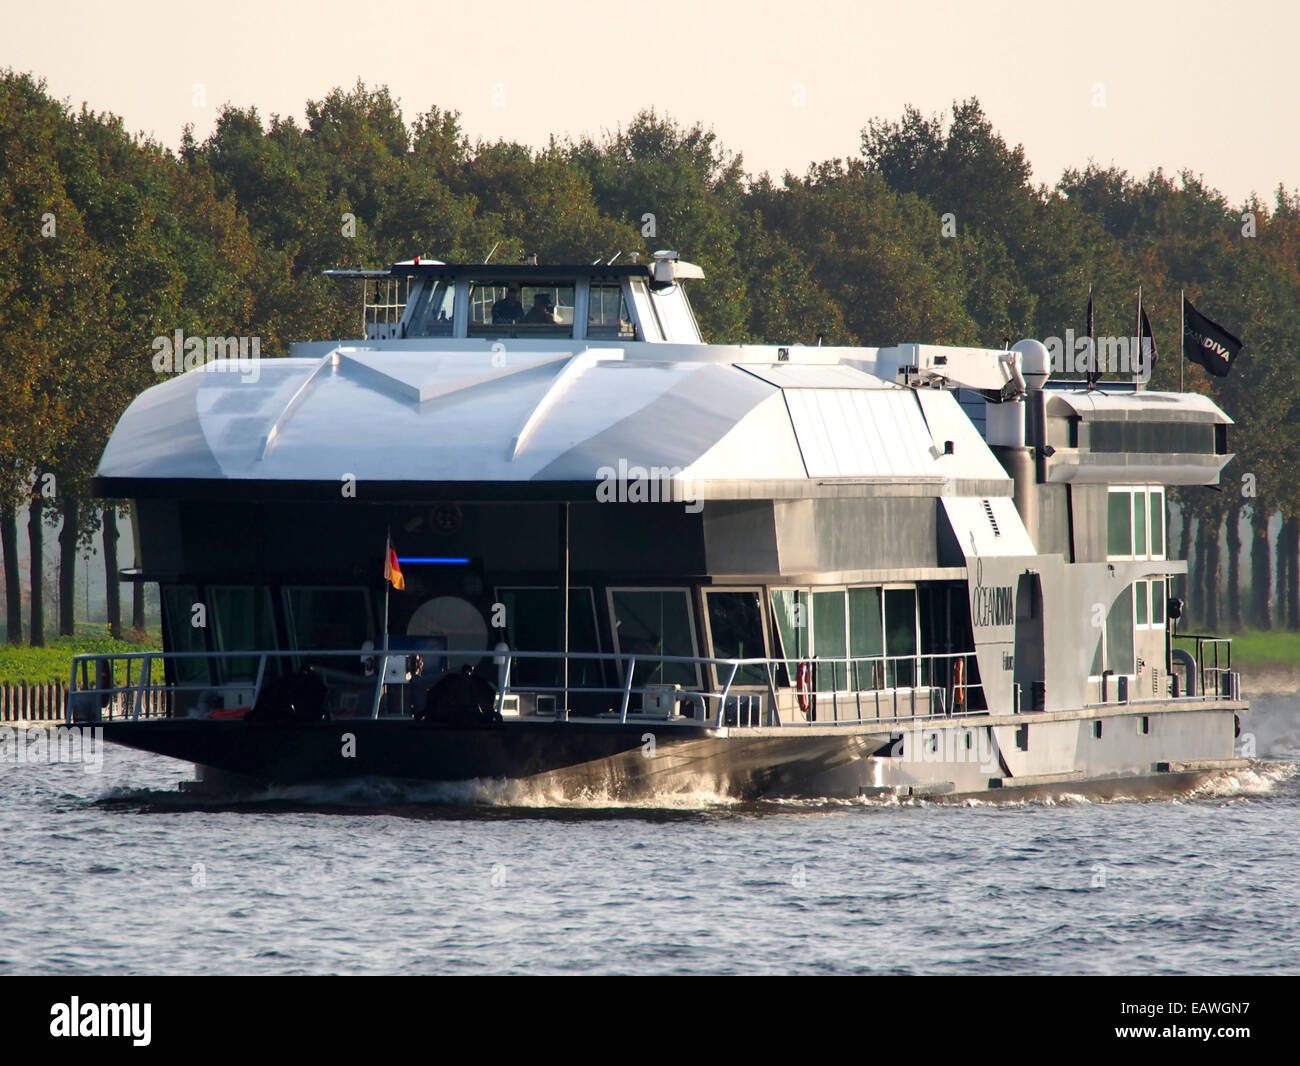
(736, 632)
(1135, 522)
(655, 622)
(533, 624)
(511, 309)
(608, 316)
(432, 310)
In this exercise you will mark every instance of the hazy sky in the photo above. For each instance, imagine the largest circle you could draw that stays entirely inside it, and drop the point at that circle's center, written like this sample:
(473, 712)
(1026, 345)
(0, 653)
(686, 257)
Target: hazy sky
(1210, 86)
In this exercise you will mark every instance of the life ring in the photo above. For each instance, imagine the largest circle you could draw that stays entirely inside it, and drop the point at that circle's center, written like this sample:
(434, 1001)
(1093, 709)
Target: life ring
(959, 683)
(803, 687)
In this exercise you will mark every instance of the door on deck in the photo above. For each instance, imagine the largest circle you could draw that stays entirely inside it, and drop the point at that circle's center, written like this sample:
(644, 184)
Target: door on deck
(1030, 666)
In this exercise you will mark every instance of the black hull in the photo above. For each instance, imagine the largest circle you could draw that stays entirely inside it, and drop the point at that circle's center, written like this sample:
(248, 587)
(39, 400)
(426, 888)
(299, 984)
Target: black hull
(625, 761)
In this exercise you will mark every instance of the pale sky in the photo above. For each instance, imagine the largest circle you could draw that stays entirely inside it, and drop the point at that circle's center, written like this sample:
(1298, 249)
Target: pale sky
(1209, 86)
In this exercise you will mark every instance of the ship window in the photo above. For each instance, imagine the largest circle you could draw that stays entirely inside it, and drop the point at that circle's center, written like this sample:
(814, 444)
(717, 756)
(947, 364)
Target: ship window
(1157, 523)
(242, 621)
(1119, 524)
(432, 314)
(533, 624)
(866, 637)
(178, 609)
(790, 610)
(607, 314)
(900, 637)
(736, 632)
(514, 309)
(830, 640)
(1119, 634)
(323, 619)
(1158, 597)
(1135, 522)
(655, 622)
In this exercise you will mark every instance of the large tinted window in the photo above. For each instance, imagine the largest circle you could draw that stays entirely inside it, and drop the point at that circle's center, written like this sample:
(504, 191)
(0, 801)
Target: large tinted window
(178, 608)
(533, 624)
(736, 625)
(790, 612)
(242, 621)
(335, 619)
(655, 622)
(866, 637)
(830, 640)
(900, 636)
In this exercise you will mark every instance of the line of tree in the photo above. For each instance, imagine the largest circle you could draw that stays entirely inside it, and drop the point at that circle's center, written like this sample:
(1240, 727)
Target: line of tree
(934, 232)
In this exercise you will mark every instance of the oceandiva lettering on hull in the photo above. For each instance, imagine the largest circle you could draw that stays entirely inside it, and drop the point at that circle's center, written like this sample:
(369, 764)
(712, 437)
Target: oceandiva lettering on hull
(75, 1018)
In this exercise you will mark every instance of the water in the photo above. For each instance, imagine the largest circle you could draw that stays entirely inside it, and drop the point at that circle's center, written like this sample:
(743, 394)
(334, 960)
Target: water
(117, 873)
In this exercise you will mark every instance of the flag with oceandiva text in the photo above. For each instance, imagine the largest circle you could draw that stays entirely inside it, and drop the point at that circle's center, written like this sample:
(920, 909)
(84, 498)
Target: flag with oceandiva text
(1207, 342)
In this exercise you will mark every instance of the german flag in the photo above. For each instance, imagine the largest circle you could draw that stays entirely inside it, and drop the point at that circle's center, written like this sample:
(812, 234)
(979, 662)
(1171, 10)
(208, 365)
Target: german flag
(393, 570)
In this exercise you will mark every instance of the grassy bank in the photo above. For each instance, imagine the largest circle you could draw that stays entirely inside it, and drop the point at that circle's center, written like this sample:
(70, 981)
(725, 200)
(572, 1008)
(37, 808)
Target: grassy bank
(54, 662)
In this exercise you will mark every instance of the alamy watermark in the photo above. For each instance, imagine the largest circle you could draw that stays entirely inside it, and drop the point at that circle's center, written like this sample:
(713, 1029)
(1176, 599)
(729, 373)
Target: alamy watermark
(48, 745)
(1108, 355)
(638, 484)
(233, 355)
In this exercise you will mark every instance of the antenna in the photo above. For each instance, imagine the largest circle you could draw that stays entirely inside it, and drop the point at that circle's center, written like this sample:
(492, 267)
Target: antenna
(612, 258)
(596, 261)
(492, 253)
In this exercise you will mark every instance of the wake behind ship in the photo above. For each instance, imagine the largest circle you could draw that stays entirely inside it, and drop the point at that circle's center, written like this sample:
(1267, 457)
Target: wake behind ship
(532, 528)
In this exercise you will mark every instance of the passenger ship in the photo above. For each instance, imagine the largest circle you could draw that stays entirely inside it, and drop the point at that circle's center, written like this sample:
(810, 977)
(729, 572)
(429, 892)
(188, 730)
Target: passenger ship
(531, 528)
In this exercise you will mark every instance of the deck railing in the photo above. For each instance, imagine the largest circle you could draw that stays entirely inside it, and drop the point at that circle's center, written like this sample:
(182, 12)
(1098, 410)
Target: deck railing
(711, 691)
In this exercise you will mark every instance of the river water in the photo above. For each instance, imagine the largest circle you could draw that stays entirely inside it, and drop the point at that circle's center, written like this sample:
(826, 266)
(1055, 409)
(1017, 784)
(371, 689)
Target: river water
(115, 872)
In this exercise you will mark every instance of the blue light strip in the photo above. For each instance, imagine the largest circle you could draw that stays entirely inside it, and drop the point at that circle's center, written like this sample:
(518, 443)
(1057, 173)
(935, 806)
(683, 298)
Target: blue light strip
(437, 560)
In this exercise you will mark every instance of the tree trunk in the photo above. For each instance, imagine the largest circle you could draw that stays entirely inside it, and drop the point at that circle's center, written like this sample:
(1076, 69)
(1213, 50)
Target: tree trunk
(13, 587)
(112, 586)
(1211, 593)
(68, 569)
(1282, 562)
(1234, 568)
(1290, 546)
(1196, 586)
(36, 553)
(1184, 548)
(137, 609)
(1261, 572)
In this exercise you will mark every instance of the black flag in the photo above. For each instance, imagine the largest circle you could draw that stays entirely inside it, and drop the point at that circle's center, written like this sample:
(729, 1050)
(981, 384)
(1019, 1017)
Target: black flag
(1208, 343)
(1094, 367)
(1146, 348)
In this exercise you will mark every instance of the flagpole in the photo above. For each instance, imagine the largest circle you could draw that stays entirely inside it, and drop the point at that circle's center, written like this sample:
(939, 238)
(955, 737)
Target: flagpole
(1182, 327)
(383, 655)
(1137, 336)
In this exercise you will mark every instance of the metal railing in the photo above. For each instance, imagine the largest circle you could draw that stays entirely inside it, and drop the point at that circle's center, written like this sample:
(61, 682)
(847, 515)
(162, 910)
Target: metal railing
(744, 692)
(1213, 656)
